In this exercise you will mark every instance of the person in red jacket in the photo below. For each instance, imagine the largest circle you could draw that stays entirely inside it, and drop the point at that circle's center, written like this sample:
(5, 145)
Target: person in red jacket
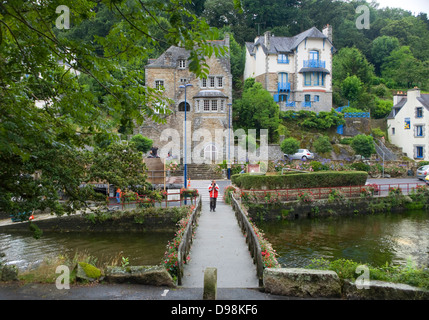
(213, 191)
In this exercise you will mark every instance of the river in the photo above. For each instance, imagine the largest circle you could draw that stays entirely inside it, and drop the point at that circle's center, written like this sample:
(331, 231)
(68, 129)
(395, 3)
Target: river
(22, 250)
(373, 239)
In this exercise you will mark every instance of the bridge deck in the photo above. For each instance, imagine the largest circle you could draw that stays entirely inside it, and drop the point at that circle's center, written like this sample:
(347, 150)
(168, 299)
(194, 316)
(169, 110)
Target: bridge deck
(219, 243)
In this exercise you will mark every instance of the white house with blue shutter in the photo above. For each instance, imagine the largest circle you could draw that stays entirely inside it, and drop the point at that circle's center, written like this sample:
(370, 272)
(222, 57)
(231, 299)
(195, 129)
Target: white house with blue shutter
(297, 70)
(408, 123)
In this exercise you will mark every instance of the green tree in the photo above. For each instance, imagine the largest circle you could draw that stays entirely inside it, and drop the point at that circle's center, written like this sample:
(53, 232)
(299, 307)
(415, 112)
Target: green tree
(351, 88)
(351, 62)
(47, 138)
(363, 145)
(257, 110)
(322, 145)
(381, 49)
(289, 146)
(141, 143)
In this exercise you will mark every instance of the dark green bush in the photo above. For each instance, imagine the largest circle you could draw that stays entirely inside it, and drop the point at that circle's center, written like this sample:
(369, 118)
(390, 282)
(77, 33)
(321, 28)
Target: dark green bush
(360, 166)
(321, 179)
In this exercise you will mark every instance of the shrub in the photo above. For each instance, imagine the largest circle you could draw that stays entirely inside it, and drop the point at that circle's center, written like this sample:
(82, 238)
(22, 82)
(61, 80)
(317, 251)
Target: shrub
(322, 179)
(289, 146)
(363, 145)
(322, 145)
(360, 166)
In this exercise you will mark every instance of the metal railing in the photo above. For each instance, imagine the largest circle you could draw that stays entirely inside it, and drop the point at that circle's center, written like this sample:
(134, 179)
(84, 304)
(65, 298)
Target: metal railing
(314, 63)
(251, 239)
(185, 244)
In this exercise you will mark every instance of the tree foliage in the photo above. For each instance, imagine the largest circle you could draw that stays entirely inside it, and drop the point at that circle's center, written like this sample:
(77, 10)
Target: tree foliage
(289, 145)
(363, 145)
(88, 84)
(257, 110)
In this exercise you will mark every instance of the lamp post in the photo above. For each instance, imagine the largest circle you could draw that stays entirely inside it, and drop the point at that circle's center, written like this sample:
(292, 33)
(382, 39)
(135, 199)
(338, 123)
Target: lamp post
(184, 158)
(229, 140)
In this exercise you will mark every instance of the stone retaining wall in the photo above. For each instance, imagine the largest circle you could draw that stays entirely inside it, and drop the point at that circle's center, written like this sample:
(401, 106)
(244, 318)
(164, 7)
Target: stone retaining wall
(309, 283)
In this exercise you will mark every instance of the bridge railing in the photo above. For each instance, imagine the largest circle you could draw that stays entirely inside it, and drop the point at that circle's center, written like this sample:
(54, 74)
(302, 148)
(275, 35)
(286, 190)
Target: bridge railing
(185, 244)
(251, 238)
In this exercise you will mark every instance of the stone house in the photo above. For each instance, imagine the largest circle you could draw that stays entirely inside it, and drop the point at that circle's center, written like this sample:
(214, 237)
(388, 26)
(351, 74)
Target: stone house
(207, 101)
(297, 70)
(408, 123)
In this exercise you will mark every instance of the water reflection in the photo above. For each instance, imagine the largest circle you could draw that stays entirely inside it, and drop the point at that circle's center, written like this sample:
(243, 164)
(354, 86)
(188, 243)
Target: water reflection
(373, 239)
(24, 251)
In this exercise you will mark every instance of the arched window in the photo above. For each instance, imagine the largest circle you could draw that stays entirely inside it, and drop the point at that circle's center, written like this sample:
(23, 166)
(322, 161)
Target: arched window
(182, 106)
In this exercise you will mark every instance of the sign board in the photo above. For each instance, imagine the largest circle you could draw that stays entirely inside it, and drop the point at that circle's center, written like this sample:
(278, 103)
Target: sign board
(253, 168)
(173, 196)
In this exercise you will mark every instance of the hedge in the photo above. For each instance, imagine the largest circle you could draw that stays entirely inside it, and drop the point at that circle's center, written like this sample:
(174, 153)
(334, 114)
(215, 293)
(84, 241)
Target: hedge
(322, 179)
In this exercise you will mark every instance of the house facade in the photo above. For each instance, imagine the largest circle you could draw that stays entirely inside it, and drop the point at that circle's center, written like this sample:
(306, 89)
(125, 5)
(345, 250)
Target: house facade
(408, 123)
(297, 70)
(207, 101)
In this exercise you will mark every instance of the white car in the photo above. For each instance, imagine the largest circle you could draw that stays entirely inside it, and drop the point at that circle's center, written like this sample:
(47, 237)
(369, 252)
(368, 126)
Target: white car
(422, 172)
(302, 154)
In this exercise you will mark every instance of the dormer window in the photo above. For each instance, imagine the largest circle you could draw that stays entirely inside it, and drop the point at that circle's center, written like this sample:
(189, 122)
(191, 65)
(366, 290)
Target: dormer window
(182, 63)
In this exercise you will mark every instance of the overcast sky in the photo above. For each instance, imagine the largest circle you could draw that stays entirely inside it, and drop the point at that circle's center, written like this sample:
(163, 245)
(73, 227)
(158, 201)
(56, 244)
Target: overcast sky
(415, 6)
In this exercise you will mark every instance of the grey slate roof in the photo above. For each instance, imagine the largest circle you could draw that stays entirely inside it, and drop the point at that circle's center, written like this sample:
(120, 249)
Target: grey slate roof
(285, 44)
(170, 57)
(423, 99)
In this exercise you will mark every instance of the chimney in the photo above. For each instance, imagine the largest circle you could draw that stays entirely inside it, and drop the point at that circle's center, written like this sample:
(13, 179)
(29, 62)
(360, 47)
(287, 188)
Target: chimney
(327, 31)
(398, 96)
(413, 94)
(267, 36)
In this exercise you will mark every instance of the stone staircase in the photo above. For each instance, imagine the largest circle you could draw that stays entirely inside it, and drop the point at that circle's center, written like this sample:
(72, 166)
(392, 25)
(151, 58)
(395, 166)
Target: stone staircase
(202, 172)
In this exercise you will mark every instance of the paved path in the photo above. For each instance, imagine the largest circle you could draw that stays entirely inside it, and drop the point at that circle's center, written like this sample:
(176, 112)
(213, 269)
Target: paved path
(219, 243)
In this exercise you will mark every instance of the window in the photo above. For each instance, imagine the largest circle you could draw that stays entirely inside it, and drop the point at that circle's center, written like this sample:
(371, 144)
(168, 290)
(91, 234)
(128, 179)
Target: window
(220, 82)
(282, 58)
(316, 98)
(222, 105)
(419, 152)
(203, 83)
(283, 97)
(206, 105)
(419, 112)
(183, 80)
(159, 84)
(393, 131)
(419, 131)
(211, 82)
(214, 105)
(307, 79)
(182, 64)
(182, 106)
(314, 55)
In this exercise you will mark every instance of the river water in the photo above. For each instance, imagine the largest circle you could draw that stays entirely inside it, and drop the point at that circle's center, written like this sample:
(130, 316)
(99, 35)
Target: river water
(22, 250)
(373, 239)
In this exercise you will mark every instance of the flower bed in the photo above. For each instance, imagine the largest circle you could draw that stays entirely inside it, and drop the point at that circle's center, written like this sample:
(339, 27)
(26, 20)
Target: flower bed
(170, 260)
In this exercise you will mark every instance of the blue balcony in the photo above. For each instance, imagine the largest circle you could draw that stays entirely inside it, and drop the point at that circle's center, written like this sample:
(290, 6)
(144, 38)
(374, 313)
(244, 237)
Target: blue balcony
(284, 86)
(306, 104)
(314, 64)
(290, 104)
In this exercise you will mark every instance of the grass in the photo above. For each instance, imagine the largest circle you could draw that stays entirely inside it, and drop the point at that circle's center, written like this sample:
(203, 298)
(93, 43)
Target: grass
(346, 269)
(45, 272)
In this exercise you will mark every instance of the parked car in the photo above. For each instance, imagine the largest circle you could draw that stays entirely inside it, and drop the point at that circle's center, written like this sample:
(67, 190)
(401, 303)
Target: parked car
(422, 172)
(303, 154)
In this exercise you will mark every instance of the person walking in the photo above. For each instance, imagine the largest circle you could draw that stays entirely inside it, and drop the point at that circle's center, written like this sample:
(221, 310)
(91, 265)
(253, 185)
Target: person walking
(213, 191)
(118, 195)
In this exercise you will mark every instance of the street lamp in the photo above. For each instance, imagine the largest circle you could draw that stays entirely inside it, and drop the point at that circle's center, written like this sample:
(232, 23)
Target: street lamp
(184, 159)
(229, 140)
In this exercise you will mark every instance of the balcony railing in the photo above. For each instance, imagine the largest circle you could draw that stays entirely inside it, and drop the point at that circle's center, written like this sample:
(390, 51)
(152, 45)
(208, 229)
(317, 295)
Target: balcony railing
(290, 104)
(284, 86)
(314, 64)
(306, 104)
